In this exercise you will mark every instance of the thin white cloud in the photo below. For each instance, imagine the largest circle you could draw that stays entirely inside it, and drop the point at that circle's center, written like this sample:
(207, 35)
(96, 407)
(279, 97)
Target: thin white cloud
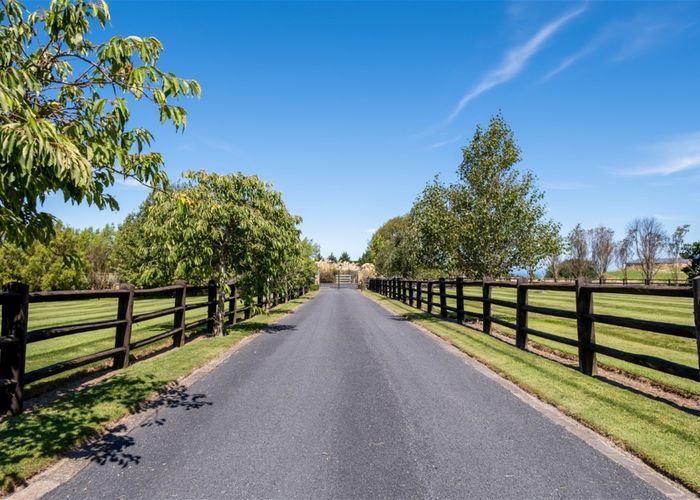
(586, 50)
(371, 230)
(627, 38)
(515, 60)
(670, 157)
(440, 144)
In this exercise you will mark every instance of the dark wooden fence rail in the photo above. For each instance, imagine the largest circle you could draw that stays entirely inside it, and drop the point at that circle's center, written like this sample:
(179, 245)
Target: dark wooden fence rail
(15, 300)
(417, 293)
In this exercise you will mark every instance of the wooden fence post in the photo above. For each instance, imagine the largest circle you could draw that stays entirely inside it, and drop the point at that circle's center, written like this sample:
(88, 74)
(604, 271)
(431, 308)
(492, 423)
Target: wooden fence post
(233, 303)
(486, 306)
(179, 317)
(15, 314)
(125, 311)
(430, 297)
(419, 294)
(696, 312)
(521, 317)
(211, 309)
(585, 328)
(460, 300)
(443, 299)
(410, 293)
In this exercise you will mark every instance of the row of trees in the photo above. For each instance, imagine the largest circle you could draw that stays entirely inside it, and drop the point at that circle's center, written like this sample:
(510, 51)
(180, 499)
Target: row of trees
(489, 222)
(72, 259)
(492, 222)
(646, 246)
(226, 227)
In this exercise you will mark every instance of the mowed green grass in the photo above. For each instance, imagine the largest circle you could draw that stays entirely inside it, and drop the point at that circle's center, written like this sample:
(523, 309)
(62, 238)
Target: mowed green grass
(662, 435)
(634, 273)
(57, 350)
(667, 309)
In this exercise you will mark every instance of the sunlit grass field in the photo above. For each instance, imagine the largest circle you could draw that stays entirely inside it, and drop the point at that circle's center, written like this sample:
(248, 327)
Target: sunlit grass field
(50, 314)
(666, 309)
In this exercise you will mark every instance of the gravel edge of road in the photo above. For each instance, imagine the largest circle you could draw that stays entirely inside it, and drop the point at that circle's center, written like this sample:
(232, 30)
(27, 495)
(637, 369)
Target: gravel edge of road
(600, 443)
(66, 468)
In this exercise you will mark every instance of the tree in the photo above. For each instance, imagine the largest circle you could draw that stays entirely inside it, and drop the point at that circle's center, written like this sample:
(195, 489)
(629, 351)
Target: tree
(602, 249)
(578, 248)
(691, 251)
(396, 248)
(64, 112)
(98, 249)
(623, 252)
(554, 262)
(59, 264)
(569, 270)
(437, 228)
(344, 257)
(491, 220)
(676, 245)
(225, 227)
(648, 241)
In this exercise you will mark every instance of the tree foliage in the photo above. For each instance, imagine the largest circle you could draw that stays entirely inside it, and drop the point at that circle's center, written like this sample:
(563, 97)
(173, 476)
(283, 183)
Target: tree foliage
(691, 251)
(225, 227)
(492, 220)
(395, 248)
(64, 112)
(71, 259)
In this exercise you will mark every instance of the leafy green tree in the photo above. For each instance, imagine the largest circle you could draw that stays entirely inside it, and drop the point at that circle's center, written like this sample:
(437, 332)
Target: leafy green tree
(64, 116)
(344, 257)
(570, 270)
(493, 219)
(396, 248)
(59, 264)
(332, 258)
(224, 227)
(691, 251)
(98, 250)
(436, 225)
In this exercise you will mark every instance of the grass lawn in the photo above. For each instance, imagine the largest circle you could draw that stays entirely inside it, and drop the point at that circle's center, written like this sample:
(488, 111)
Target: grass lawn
(665, 272)
(32, 440)
(667, 309)
(56, 350)
(662, 435)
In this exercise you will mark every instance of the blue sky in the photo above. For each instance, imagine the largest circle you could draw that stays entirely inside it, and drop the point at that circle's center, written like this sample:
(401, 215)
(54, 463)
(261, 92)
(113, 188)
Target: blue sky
(350, 108)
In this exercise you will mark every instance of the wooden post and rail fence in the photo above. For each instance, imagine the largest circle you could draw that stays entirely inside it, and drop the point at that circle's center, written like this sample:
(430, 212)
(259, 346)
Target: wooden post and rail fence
(16, 298)
(411, 292)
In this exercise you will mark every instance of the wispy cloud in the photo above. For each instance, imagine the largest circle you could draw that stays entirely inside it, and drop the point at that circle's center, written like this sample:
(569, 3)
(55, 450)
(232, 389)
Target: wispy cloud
(627, 38)
(440, 144)
(515, 60)
(587, 49)
(670, 157)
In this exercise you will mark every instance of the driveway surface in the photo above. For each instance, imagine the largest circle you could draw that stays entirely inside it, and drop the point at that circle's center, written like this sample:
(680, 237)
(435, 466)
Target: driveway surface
(343, 400)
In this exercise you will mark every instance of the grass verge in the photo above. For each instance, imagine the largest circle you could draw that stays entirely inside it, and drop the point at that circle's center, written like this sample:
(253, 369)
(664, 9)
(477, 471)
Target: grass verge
(663, 436)
(33, 440)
